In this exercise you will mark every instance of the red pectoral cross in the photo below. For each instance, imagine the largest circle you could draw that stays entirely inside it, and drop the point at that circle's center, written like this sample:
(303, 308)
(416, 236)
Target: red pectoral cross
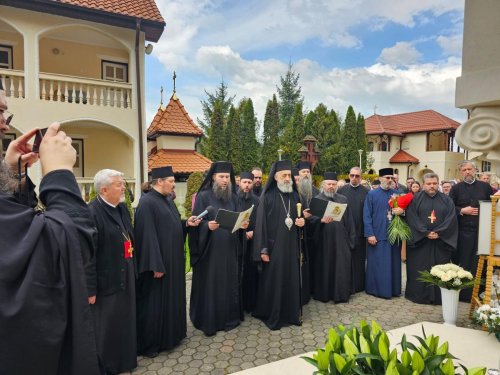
(433, 217)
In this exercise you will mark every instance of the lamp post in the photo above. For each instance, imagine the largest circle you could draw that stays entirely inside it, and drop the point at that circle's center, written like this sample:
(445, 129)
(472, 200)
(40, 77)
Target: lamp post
(360, 153)
(280, 151)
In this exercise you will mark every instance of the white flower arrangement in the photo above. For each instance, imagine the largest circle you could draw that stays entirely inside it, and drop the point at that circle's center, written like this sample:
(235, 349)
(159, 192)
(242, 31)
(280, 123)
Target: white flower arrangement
(488, 316)
(449, 276)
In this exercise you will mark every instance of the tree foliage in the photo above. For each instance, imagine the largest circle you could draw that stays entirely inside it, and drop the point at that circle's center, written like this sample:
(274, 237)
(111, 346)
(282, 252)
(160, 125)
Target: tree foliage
(294, 135)
(217, 145)
(250, 156)
(289, 93)
(193, 185)
(270, 137)
(350, 141)
(233, 131)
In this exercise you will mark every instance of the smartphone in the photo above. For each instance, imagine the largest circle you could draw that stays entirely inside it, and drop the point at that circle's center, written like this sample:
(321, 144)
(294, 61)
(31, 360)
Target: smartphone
(38, 139)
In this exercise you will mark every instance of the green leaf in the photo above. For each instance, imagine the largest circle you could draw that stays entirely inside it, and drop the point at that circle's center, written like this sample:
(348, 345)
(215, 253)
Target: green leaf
(477, 371)
(339, 361)
(347, 368)
(394, 355)
(350, 348)
(391, 369)
(433, 362)
(375, 328)
(402, 369)
(383, 349)
(423, 343)
(443, 349)
(406, 358)
(323, 359)
(311, 361)
(448, 368)
(365, 348)
(417, 363)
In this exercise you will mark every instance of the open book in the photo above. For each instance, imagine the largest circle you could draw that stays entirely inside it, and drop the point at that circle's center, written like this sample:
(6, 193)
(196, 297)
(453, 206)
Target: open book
(321, 208)
(231, 220)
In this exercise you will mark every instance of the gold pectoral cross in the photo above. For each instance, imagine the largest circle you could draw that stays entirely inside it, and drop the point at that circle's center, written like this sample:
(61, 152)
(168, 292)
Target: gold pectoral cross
(131, 251)
(433, 217)
(389, 215)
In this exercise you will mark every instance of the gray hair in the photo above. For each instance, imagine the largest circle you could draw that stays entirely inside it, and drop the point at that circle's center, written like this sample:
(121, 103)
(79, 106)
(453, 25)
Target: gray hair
(465, 162)
(430, 175)
(103, 178)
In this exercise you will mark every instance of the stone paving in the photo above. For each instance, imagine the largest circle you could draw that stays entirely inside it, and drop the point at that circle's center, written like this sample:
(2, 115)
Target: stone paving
(253, 344)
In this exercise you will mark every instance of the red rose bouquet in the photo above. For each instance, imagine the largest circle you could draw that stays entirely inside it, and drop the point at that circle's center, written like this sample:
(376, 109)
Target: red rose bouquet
(398, 230)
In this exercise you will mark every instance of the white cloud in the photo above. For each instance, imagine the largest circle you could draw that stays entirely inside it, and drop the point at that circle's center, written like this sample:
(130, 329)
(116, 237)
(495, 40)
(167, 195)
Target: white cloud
(451, 45)
(402, 53)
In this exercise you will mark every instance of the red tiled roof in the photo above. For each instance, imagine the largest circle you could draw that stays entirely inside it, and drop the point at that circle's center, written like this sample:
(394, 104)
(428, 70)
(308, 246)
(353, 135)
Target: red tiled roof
(182, 161)
(173, 120)
(143, 9)
(413, 122)
(403, 157)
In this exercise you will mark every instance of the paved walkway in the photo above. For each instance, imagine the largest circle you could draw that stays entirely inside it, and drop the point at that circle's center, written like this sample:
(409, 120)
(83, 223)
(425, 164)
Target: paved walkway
(253, 344)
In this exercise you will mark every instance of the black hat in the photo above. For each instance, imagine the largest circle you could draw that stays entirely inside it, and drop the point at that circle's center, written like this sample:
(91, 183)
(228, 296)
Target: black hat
(295, 172)
(376, 182)
(246, 176)
(222, 167)
(283, 165)
(330, 176)
(304, 165)
(386, 172)
(161, 172)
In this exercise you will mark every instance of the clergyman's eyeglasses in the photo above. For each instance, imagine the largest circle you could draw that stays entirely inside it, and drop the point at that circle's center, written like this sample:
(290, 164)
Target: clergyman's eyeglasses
(354, 175)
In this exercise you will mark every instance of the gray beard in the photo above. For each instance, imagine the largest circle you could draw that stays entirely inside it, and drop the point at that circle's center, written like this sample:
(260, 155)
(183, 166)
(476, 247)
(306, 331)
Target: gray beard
(385, 185)
(243, 195)
(469, 180)
(327, 194)
(305, 187)
(7, 182)
(222, 194)
(284, 188)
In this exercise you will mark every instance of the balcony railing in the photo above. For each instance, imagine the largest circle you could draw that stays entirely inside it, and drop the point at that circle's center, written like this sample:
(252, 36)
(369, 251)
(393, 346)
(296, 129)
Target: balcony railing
(86, 183)
(85, 91)
(13, 82)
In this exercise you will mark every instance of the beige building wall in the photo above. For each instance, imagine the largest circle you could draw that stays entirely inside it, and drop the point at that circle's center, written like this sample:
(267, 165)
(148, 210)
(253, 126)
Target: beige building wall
(175, 142)
(35, 38)
(9, 37)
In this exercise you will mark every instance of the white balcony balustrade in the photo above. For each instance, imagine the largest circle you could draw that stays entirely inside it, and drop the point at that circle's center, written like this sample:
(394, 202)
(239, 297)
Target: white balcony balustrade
(85, 91)
(86, 183)
(13, 82)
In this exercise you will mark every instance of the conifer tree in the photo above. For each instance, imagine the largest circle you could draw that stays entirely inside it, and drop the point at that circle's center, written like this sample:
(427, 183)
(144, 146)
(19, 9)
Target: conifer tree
(290, 95)
(217, 145)
(294, 135)
(271, 141)
(193, 183)
(350, 141)
(362, 141)
(234, 139)
(250, 155)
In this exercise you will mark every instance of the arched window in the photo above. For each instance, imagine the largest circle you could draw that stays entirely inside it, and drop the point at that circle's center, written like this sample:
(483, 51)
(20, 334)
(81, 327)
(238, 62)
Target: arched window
(370, 146)
(383, 146)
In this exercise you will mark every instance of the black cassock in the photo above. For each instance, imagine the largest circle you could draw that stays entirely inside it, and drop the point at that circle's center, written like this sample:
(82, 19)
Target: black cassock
(113, 284)
(356, 199)
(46, 325)
(215, 290)
(308, 251)
(278, 295)
(429, 214)
(249, 275)
(161, 303)
(463, 195)
(332, 261)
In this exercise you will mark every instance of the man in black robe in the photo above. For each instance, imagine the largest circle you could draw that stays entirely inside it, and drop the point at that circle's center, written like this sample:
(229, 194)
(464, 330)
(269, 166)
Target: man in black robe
(246, 199)
(277, 248)
(356, 194)
(161, 288)
(334, 241)
(433, 222)
(46, 324)
(466, 196)
(215, 251)
(305, 186)
(257, 181)
(112, 281)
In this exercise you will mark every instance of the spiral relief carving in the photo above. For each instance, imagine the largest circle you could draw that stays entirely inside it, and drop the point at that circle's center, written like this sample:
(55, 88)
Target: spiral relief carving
(481, 132)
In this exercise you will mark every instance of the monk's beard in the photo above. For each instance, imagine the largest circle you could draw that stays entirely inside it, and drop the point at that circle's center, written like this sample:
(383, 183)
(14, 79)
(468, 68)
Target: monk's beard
(327, 193)
(285, 187)
(244, 195)
(305, 187)
(469, 179)
(7, 182)
(220, 193)
(385, 184)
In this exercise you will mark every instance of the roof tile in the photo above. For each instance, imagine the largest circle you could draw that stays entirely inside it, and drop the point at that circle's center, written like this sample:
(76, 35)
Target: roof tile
(144, 9)
(403, 157)
(413, 122)
(173, 120)
(182, 161)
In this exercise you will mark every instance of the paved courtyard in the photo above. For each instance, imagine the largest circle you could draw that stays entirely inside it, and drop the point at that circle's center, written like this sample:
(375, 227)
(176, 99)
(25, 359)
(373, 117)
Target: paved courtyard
(253, 344)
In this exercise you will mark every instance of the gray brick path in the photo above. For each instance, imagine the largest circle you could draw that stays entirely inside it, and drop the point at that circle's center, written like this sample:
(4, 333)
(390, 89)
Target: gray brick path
(253, 344)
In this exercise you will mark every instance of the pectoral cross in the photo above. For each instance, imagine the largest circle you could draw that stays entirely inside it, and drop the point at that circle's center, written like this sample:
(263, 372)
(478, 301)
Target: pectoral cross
(433, 217)
(131, 251)
(389, 215)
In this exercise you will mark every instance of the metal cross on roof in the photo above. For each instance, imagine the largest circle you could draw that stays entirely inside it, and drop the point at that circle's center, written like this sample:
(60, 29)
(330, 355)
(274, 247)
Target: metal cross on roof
(175, 76)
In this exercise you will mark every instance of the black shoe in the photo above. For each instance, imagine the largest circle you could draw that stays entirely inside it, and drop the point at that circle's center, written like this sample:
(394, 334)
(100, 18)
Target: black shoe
(151, 354)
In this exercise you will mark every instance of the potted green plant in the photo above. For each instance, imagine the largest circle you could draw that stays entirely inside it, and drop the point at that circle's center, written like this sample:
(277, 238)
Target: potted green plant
(366, 351)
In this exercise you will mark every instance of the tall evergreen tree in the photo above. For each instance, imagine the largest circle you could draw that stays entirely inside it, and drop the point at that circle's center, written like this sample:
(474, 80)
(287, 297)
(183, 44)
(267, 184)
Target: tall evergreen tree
(271, 142)
(289, 93)
(250, 155)
(217, 144)
(294, 135)
(362, 141)
(233, 137)
(221, 95)
(350, 141)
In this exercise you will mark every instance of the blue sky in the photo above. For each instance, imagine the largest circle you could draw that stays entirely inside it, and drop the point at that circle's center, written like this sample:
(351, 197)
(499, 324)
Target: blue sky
(399, 56)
